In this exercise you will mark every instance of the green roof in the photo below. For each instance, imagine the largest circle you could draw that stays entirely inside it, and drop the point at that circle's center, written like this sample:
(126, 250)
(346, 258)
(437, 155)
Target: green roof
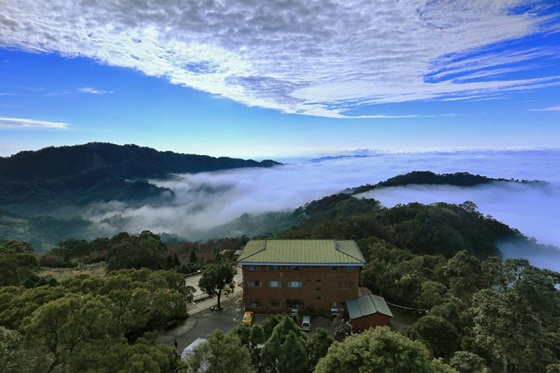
(367, 305)
(301, 252)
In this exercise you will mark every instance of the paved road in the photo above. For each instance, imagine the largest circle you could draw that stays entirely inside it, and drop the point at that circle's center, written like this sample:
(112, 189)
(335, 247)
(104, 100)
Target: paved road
(202, 321)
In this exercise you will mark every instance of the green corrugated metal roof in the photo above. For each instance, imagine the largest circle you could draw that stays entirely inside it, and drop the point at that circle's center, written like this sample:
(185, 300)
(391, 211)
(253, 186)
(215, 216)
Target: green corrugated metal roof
(301, 252)
(367, 305)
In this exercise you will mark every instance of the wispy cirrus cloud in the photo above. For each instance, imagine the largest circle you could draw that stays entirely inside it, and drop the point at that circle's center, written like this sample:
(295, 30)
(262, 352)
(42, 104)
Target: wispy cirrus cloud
(30, 123)
(94, 91)
(320, 58)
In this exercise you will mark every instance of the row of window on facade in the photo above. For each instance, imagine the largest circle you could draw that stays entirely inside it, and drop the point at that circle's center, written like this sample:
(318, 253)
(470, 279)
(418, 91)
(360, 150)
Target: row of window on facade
(277, 303)
(296, 284)
(275, 268)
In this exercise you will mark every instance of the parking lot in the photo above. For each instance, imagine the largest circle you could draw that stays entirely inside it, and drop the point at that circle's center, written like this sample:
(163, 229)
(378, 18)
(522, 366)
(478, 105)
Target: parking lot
(202, 323)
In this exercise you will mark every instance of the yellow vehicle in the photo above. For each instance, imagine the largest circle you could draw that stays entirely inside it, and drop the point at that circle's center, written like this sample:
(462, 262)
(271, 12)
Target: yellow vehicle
(247, 318)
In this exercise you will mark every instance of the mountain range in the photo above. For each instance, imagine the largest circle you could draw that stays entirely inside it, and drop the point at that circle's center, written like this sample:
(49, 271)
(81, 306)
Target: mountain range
(35, 181)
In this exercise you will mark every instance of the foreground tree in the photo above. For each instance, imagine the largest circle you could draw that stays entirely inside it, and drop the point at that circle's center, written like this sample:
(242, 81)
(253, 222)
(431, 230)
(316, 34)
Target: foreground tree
(64, 326)
(220, 353)
(380, 350)
(217, 279)
(14, 358)
(437, 334)
(285, 349)
(318, 346)
(518, 322)
(468, 362)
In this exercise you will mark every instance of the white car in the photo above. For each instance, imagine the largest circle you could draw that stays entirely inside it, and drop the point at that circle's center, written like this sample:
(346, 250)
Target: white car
(306, 323)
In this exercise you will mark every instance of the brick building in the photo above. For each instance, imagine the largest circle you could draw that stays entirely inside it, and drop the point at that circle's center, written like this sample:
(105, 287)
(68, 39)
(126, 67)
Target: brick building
(308, 275)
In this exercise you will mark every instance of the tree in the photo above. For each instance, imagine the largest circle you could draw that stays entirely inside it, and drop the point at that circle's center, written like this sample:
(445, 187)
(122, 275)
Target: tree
(220, 353)
(285, 350)
(62, 327)
(517, 323)
(467, 362)
(192, 257)
(432, 293)
(217, 280)
(437, 334)
(461, 271)
(342, 328)
(257, 340)
(144, 300)
(18, 268)
(14, 358)
(379, 350)
(284, 353)
(143, 251)
(318, 346)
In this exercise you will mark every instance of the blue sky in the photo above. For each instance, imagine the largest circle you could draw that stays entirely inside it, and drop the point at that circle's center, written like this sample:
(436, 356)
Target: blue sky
(289, 78)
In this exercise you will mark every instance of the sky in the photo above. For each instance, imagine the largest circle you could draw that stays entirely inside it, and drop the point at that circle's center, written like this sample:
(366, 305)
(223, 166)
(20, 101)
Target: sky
(286, 78)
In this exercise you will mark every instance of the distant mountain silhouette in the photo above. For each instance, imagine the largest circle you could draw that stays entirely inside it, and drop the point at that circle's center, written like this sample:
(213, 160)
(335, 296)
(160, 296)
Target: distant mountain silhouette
(462, 179)
(99, 172)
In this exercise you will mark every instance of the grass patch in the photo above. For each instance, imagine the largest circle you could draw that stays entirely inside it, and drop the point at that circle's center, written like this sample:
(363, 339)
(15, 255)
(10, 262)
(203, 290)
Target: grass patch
(63, 273)
(403, 318)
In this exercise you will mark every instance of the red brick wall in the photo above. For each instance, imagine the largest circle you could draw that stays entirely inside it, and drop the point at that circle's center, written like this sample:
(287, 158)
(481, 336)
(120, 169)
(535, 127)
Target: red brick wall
(370, 321)
(321, 286)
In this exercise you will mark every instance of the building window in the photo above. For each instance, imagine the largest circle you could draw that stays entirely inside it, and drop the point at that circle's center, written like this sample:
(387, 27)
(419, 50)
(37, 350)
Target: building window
(350, 269)
(275, 284)
(295, 303)
(295, 268)
(274, 303)
(318, 298)
(253, 268)
(345, 284)
(255, 303)
(272, 268)
(295, 284)
(253, 284)
(334, 269)
(318, 289)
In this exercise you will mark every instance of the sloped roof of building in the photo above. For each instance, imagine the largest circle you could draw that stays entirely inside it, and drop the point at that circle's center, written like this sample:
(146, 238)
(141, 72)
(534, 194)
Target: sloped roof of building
(367, 305)
(190, 348)
(301, 252)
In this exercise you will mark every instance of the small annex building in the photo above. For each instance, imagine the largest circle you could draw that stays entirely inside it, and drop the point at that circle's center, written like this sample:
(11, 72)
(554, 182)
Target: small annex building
(368, 311)
(303, 275)
(190, 348)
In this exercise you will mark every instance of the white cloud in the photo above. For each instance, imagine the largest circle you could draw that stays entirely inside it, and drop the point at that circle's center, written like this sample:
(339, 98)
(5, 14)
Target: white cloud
(320, 57)
(94, 91)
(550, 108)
(30, 123)
(207, 200)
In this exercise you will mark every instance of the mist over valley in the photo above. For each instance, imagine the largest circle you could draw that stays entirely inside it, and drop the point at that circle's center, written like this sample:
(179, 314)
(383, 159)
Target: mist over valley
(258, 200)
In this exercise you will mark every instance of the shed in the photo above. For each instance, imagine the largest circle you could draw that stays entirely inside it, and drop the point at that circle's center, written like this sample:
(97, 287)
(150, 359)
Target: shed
(368, 311)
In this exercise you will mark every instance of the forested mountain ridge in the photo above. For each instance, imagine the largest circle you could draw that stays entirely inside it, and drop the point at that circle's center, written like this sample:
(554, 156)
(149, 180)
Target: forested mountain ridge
(99, 171)
(127, 161)
(461, 179)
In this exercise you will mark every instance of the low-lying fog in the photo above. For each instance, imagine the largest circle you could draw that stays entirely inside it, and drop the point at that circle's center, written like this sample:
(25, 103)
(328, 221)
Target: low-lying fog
(206, 200)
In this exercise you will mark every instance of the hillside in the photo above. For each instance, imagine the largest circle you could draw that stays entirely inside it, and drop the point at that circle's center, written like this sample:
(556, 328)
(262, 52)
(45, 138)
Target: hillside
(460, 179)
(98, 172)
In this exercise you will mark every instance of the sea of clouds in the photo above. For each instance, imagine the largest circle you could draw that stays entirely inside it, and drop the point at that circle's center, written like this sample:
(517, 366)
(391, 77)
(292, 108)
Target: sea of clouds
(206, 200)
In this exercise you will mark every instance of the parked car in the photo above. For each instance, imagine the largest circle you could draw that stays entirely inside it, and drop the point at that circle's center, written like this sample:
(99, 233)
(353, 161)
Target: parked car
(306, 323)
(247, 318)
